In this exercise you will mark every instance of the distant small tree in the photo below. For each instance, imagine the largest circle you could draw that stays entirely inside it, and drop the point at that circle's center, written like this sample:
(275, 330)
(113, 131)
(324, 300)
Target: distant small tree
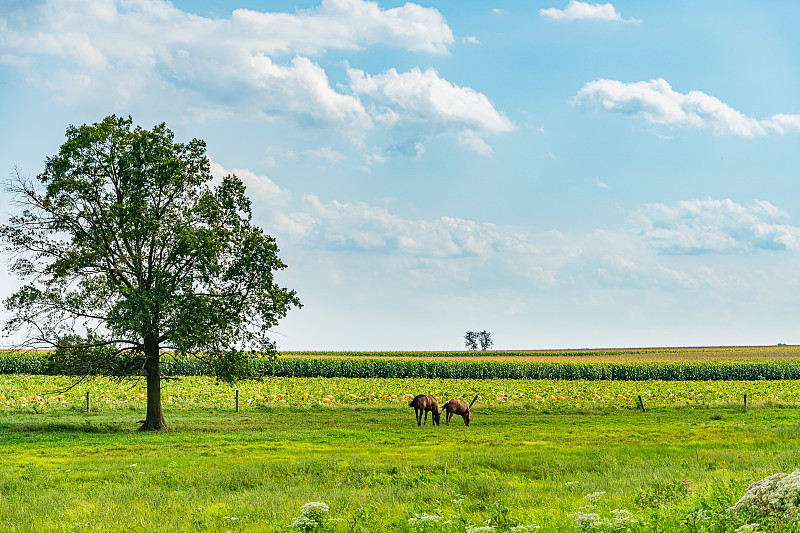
(485, 338)
(471, 340)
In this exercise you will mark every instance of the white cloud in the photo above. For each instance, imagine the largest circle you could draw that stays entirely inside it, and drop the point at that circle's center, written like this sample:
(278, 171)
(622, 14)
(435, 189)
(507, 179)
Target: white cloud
(601, 184)
(653, 254)
(424, 99)
(783, 123)
(86, 30)
(302, 90)
(424, 96)
(252, 64)
(261, 189)
(576, 10)
(472, 141)
(327, 153)
(409, 148)
(294, 225)
(657, 102)
(375, 158)
(117, 50)
(344, 24)
(716, 226)
(362, 226)
(448, 249)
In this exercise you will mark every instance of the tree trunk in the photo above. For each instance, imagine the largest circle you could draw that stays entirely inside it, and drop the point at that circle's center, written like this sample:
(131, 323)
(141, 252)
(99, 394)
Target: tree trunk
(155, 416)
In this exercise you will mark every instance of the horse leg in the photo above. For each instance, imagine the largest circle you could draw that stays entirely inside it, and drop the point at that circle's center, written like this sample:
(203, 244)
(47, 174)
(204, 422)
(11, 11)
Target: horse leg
(418, 414)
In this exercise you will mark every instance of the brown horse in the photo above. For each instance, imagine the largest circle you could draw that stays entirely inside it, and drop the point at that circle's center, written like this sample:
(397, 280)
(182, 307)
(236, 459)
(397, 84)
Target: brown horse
(457, 407)
(422, 404)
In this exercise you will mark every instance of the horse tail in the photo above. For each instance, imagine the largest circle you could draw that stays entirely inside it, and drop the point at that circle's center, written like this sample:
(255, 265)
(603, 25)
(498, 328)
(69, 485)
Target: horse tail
(411, 403)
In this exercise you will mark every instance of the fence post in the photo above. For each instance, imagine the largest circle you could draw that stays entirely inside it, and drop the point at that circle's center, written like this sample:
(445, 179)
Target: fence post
(745, 403)
(88, 402)
(641, 404)
(237, 400)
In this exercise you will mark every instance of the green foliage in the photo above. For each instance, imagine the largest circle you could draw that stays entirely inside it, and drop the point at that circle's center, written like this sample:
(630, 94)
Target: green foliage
(128, 249)
(90, 356)
(266, 364)
(483, 369)
(124, 236)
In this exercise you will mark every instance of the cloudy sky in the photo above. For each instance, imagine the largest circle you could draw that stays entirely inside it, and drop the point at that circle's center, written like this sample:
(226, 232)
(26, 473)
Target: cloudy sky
(562, 174)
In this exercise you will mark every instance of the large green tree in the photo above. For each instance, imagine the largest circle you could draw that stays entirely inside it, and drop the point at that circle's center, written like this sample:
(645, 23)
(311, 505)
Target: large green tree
(129, 248)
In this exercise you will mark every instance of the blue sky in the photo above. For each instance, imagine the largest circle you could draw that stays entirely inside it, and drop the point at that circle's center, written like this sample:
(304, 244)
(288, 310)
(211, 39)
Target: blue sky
(563, 174)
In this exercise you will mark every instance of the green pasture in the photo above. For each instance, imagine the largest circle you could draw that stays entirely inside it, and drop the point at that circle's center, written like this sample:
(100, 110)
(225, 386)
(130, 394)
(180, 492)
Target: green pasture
(520, 464)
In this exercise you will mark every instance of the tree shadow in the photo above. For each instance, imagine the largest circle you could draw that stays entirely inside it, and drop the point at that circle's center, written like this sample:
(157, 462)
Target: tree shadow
(45, 428)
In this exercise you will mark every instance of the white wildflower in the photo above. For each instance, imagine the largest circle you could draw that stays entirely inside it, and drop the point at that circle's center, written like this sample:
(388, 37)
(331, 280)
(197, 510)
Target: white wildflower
(312, 516)
(315, 509)
(747, 528)
(524, 529)
(587, 521)
(775, 494)
(700, 514)
(304, 523)
(594, 497)
(424, 519)
(623, 518)
(480, 529)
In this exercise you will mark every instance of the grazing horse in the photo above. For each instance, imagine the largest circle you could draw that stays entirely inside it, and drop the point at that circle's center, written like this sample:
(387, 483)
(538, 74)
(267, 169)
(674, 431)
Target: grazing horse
(422, 404)
(457, 407)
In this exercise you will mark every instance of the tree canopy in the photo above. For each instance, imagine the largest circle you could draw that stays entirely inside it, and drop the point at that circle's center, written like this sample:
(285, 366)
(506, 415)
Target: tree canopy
(472, 338)
(128, 247)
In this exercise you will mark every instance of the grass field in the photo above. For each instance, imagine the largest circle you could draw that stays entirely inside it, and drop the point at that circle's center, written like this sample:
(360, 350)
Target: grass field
(552, 463)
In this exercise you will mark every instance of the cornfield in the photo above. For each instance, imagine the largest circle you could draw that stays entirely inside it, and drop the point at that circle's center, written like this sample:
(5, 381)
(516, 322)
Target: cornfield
(450, 368)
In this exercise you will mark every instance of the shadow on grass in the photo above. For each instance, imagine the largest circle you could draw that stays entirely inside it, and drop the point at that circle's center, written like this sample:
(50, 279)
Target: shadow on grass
(68, 427)
(67, 423)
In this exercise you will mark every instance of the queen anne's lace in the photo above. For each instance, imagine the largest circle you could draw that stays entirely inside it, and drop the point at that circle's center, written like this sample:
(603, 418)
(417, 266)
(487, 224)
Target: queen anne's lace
(776, 494)
(312, 516)
(480, 529)
(424, 518)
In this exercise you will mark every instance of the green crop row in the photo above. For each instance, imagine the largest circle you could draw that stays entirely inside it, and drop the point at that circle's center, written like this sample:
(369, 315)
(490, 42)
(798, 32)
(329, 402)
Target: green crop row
(461, 369)
(24, 363)
(462, 353)
(361, 367)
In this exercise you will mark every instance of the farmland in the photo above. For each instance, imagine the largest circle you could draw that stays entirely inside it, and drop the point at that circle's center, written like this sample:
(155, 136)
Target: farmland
(539, 455)
(46, 393)
(743, 364)
(701, 353)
